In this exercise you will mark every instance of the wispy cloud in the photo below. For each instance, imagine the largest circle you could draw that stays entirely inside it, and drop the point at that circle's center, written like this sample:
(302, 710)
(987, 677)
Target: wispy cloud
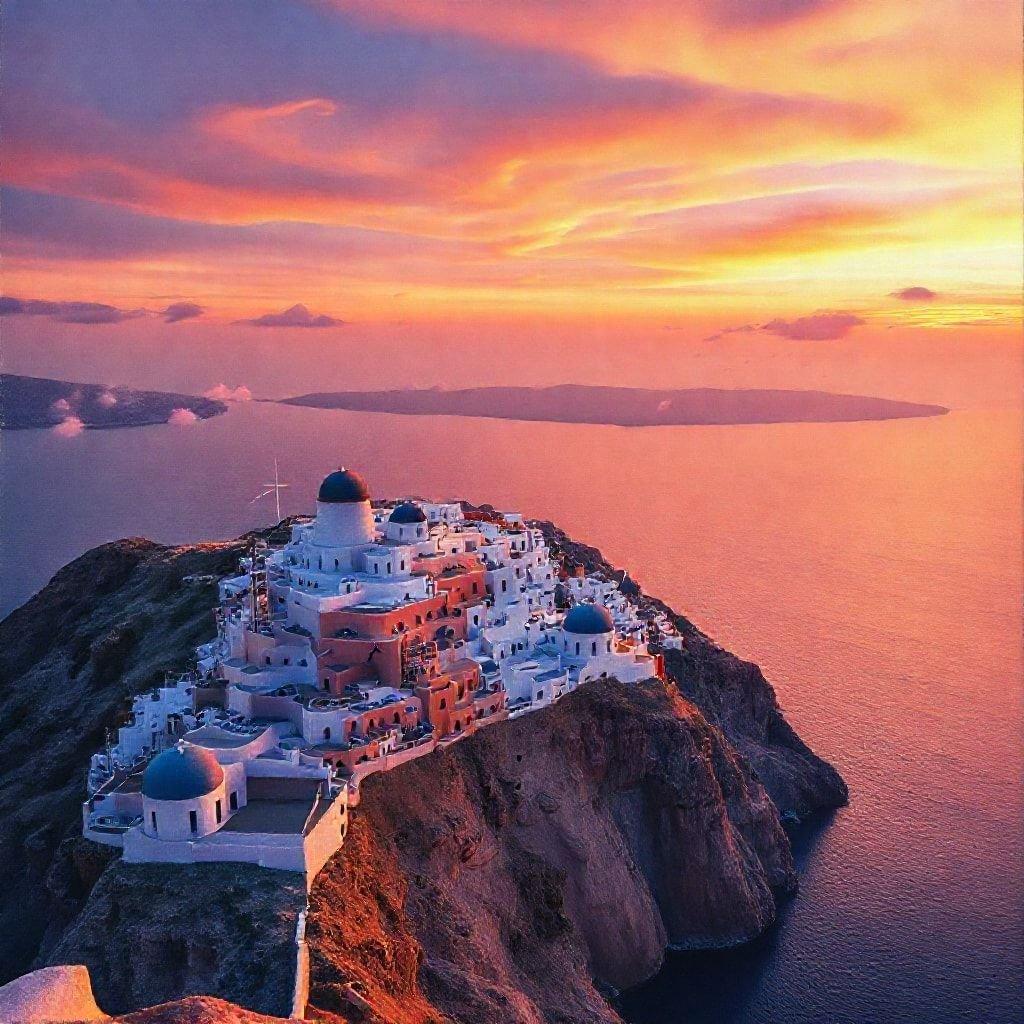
(68, 312)
(76, 312)
(531, 156)
(822, 326)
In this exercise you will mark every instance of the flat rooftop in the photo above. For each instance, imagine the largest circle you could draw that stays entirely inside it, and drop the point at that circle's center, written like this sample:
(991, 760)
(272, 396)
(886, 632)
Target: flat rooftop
(275, 806)
(214, 738)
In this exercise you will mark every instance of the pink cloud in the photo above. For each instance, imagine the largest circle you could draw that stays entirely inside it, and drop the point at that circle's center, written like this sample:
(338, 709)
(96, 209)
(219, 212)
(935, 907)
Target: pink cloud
(182, 417)
(70, 426)
(61, 405)
(107, 399)
(223, 393)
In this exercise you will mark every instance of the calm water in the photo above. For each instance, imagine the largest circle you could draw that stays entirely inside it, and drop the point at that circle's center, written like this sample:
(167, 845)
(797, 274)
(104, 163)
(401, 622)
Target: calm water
(873, 569)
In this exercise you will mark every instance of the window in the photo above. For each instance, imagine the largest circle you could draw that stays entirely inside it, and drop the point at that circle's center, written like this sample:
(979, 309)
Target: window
(504, 586)
(593, 648)
(233, 801)
(476, 588)
(577, 647)
(193, 822)
(218, 812)
(327, 684)
(540, 695)
(266, 660)
(397, 718)
(327, 733)
(443, 704)
(152, 819)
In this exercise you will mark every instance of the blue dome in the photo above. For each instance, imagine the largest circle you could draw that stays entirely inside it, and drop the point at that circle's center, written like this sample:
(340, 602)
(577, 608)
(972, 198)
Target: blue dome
(182, 773)
(588, 618)
(406, 513)
(343, 487)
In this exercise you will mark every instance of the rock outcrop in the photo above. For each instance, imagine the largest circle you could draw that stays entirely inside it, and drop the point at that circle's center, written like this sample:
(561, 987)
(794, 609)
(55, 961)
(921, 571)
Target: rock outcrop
(150, 933)
(529, 870)
(49, 995)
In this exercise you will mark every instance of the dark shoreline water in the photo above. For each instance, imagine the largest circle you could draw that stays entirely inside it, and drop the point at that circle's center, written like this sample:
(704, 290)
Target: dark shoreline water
(714, 985)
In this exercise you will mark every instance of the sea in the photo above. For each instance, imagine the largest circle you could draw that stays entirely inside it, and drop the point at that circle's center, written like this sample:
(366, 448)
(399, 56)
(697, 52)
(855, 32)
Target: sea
(873, 570)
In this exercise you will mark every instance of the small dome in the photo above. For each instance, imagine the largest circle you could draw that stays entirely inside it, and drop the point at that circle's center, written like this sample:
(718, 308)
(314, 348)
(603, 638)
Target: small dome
(588, 618)
(343, 487)
(406, 513)
(182, 773)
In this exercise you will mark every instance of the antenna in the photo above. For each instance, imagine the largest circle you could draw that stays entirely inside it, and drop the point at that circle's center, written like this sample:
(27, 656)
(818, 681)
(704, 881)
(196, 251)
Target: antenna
(275, 488)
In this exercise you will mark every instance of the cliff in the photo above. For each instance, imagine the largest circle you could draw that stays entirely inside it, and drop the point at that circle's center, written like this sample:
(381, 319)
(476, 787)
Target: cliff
(526, 872)
(734, 695)
(106, 627)
(155, 932)
(518, 875)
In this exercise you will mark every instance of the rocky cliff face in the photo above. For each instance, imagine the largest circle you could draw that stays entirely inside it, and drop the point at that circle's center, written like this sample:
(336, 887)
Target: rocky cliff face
(106, 627)
(734, 695)
(521, 874)
(155, 932)
(525, 872)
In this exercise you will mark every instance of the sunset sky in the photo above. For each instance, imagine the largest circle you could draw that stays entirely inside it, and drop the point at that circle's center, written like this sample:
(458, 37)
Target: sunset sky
(765, 166)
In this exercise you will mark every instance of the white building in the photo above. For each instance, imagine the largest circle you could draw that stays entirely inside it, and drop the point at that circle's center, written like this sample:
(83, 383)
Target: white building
(374, 634)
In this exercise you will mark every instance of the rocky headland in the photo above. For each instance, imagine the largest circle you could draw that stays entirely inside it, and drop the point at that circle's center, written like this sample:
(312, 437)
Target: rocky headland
(624, 407)
(523, 874)
(34, 402)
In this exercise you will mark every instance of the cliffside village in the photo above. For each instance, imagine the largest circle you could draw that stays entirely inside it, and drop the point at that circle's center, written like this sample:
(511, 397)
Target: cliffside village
(378, 633)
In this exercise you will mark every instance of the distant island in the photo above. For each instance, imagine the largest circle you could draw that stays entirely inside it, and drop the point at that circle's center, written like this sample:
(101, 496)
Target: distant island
(34, 402)
(625, 407)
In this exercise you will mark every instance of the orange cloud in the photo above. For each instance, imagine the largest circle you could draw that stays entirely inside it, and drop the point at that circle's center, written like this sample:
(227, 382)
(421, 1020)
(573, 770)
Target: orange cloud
(528, 156)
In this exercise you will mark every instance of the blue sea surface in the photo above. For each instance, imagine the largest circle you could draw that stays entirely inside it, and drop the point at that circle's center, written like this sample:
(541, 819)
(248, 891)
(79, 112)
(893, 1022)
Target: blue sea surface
(873, 570)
